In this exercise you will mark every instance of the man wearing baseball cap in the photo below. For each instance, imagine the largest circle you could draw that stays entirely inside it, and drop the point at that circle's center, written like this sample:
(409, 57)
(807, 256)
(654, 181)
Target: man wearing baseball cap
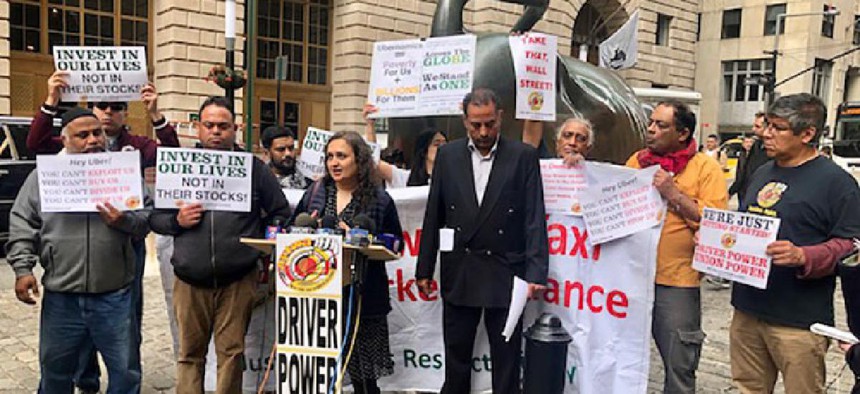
(112, 116)
(88, 272)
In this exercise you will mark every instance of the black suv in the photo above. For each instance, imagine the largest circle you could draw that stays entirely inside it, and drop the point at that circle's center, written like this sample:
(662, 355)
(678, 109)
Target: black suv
(16, 163)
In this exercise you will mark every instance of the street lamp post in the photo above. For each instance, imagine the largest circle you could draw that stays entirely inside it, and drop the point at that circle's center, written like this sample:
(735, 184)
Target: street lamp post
(230, 44)
(771, 83)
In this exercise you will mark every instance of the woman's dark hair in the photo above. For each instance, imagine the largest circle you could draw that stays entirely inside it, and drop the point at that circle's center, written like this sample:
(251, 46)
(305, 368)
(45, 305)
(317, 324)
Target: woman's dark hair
(368, 177)
(418, 175)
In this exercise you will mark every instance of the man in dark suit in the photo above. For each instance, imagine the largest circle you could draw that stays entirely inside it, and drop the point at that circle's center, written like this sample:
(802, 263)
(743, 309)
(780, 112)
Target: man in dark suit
(487, 191)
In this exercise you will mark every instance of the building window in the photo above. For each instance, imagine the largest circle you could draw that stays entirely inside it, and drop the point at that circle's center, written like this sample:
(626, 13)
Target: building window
(821, 79)
(78, 22)
(134, 26)
(299, 30)
(735, 74)
(770, 15)
(731, 24)
(856, 40)
(24, 26)
(663, 23)
(828, 23)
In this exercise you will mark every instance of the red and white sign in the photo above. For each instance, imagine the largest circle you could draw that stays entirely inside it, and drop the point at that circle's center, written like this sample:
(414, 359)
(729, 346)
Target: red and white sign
(534, 56)
(732, 246)
(562, 185)
(80, 182)
(620, 201)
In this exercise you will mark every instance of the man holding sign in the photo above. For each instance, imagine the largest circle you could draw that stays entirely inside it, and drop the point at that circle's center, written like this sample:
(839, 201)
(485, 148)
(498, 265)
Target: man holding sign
(118, 137)
(89, 268)
(216, 275)
(689, 182)
(816, 202)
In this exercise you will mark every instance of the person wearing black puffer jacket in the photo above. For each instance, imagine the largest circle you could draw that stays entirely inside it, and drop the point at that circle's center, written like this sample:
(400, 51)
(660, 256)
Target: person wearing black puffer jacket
(216, 275)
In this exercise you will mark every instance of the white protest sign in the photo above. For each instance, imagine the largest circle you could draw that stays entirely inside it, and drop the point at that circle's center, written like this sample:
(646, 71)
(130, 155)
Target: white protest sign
(562, 185)
(534, 56)
(421, 77)
(395, 76)
(219, 180)
(732, 246)
(308, 312)
(102, 73)
(77, 183)
(311, 163)
(620, 201)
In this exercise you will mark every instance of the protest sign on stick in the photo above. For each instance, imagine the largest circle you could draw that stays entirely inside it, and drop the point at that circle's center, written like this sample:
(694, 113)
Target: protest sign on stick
(562, 185)
(102, 73)
(620, 201)
(219, 180)
(732, 246)
(534, 56)
(77, 183)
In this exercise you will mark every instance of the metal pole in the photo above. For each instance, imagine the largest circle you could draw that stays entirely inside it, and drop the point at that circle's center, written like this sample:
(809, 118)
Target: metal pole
(250, 66)
(230, 64)
(278, 71)
(774, 55)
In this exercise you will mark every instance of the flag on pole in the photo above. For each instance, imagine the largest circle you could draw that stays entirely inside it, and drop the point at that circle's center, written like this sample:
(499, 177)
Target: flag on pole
(621, 49)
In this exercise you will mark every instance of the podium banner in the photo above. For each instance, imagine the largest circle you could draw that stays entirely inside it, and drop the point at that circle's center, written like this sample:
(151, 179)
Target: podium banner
(308, 310)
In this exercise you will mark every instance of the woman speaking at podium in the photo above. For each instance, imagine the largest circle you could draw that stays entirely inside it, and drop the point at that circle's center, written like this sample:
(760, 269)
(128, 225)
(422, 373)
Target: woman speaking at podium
(351, 188)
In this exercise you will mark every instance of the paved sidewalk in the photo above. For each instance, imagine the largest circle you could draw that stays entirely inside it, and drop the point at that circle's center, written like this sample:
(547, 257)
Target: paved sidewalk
(19, 343)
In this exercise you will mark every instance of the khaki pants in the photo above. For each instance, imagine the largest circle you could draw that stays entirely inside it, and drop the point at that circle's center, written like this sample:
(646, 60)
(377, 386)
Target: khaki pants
(759, 350)
(202, 312)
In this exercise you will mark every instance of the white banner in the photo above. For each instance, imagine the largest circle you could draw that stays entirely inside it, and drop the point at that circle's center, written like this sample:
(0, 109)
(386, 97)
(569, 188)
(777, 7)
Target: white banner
(102, 73)
(732, 246)
(220, 180)
(421, 77)
(621, 49)
(603, 294)
(561, 186)
(77, 183)
(534, 56)
(620, 201)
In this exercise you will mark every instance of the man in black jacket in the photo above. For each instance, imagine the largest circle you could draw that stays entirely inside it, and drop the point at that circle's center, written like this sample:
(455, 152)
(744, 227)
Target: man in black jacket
(752, 160)
(487, 191)
(216, 275)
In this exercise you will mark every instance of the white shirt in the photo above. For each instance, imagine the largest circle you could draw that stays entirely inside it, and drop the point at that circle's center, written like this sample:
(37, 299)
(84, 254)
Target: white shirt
(481, 168)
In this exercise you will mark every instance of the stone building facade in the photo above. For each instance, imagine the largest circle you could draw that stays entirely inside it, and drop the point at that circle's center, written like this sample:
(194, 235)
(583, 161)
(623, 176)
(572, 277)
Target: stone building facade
(327, 44)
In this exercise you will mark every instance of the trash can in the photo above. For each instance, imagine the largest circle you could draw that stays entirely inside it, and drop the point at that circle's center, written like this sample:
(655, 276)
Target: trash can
(546, 356)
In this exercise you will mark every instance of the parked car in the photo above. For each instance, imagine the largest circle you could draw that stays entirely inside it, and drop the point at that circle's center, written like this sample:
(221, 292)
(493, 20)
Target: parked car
(16, 163)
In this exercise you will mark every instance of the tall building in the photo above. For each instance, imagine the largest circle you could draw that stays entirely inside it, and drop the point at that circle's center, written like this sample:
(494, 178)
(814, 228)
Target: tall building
(328, 45)
(735, 42)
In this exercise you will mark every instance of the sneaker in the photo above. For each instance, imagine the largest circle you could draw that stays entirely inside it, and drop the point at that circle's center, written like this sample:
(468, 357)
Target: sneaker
(718, 283)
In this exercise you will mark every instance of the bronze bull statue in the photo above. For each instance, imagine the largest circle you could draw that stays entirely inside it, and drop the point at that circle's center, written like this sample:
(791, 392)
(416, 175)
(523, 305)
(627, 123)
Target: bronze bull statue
(583, 90)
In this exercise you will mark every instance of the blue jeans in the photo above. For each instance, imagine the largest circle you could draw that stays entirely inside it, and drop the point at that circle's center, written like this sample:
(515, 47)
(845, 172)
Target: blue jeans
(88, 374)
(68, 322)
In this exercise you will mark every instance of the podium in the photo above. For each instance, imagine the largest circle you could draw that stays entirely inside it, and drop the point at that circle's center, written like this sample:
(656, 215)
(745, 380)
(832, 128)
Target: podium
(310, 304)
(372, 252)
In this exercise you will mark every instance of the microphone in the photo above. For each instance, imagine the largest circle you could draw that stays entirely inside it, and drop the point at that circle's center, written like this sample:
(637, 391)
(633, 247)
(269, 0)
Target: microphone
(329, 226)
(304, 224)
(361, 233)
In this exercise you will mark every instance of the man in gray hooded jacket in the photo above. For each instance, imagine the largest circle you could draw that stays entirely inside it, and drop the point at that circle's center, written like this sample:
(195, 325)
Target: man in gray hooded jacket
(88, 266)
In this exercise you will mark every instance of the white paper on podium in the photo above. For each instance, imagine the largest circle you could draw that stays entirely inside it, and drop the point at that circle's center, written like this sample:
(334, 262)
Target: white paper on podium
(519, 297)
